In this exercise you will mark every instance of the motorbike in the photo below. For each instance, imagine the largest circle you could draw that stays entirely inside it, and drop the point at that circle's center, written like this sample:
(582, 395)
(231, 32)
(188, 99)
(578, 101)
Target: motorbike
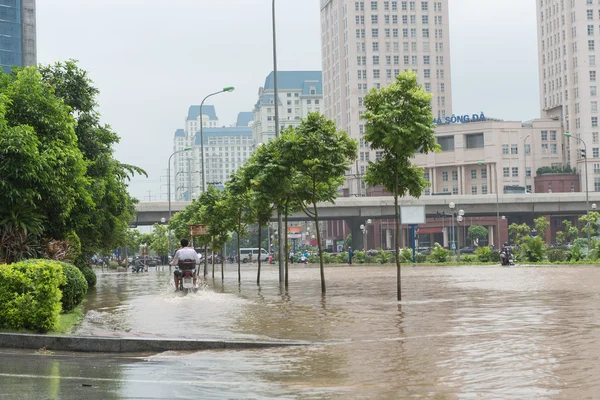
(138, 267)
(303, 259)
(186, 277)
(506, 259)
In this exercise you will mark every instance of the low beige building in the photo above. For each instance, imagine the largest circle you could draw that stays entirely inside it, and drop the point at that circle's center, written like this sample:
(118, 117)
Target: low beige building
(474, 153)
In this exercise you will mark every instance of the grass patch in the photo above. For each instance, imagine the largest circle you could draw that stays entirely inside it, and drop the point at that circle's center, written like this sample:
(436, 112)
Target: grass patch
(68, 321)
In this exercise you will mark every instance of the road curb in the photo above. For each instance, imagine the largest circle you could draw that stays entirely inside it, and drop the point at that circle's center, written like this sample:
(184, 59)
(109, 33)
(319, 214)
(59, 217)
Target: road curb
(129, 345)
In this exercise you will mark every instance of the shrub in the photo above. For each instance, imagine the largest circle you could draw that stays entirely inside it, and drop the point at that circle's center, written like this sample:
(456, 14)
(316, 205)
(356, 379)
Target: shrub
(533, 249)
(113, 264)
(81, 262)
(90, 276)
(420, 258)
(557, 255)
(384, 258)
(494, 256)
(576, 254)
(342, 258)
(75, 287)
(483, 254)
(406, 255)
(30, 295)
(439, 254)
(359, 257)
(469, 258)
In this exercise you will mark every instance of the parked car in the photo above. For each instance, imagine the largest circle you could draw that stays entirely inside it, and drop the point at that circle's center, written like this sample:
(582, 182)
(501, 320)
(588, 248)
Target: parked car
(467, 250)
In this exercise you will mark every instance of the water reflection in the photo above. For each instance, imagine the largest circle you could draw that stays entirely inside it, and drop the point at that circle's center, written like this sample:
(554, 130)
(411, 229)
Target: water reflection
(480, 332)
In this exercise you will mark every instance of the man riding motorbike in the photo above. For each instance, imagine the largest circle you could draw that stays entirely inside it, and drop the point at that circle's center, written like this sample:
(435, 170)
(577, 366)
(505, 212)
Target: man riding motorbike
(185, 255)
(506, 254)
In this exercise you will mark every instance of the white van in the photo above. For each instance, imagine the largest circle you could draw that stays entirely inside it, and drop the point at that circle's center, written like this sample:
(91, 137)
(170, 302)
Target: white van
(245, 254)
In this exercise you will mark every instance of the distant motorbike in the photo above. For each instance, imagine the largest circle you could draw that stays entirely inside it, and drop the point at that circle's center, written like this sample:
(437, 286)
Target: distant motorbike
(506, 258)
(303, 259)
(138, 268)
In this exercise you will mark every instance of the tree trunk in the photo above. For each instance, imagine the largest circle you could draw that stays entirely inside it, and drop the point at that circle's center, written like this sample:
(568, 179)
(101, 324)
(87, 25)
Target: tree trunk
(223, 264)
(397, 251)
(319, 246)
(259, 248)
(205, 259)
(286, 246)
(239, 260)
(212, 260)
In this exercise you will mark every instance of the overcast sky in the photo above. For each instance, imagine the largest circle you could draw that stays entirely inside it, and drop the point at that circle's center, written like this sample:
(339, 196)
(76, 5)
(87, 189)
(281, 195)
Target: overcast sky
(152, 59)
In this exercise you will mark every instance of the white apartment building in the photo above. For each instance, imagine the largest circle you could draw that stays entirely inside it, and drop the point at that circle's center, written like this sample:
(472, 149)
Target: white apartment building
(300, 92)
(472, 153)
(184, 162)
(366, 44)
(568, 47)
(225, 149)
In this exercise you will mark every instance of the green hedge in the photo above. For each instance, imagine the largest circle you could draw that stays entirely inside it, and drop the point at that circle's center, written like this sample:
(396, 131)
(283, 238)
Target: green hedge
(75, 287)
(30, 295)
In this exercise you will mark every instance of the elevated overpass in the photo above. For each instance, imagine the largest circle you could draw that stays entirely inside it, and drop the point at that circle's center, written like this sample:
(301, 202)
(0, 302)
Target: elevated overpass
(351, 208)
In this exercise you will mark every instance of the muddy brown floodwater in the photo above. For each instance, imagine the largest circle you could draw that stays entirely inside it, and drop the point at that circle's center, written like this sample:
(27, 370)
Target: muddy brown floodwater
(459, 333)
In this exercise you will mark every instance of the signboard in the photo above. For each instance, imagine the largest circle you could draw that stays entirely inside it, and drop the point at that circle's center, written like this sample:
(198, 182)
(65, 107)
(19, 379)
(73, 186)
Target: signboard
(412, 215)
(294, 232)
(198, 230)
(460, 119)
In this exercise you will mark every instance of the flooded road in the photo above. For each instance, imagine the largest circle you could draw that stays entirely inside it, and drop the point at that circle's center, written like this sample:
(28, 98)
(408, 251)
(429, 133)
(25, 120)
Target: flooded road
(459, 333)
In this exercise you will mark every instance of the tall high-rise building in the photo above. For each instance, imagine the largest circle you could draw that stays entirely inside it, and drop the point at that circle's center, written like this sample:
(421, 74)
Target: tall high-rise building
(17, 33)
(366, 44)
(568, 46)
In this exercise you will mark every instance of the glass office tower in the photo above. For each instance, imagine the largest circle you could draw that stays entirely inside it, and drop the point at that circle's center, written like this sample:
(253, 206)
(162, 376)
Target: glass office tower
(17, 33)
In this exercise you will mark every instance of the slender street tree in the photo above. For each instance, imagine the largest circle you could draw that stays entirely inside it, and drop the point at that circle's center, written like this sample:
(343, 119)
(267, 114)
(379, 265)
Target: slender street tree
(399, 125)
(261, 177)
(320, 155)
(238, 202)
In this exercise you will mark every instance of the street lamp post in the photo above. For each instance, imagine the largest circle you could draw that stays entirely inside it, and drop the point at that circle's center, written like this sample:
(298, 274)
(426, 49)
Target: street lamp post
(225, 89)
(169, 188)
(525, 159)
(497, 199)
(452, 206)
(587, 195)
(365, 230)
(459, 219)
(280, 239)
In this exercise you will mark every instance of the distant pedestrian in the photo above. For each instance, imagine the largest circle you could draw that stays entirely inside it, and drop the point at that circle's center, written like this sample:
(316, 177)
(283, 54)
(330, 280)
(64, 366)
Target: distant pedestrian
(350, 255)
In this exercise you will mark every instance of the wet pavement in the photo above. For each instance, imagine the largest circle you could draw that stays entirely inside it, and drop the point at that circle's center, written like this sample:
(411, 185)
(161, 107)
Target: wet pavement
(459, 333)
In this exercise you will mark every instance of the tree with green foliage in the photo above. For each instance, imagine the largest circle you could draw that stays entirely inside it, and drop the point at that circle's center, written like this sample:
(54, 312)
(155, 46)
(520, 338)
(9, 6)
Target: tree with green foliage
(239, 210)
(102, 225)
(208, 203)
(76, 190)
(399, 125)
(262, 176)
(477, 232)
(42, 172)
(568, 233)
(594, 216)
(160, 241)
(215, 215)
(321, 155)
(541, 226)
(518, 233)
